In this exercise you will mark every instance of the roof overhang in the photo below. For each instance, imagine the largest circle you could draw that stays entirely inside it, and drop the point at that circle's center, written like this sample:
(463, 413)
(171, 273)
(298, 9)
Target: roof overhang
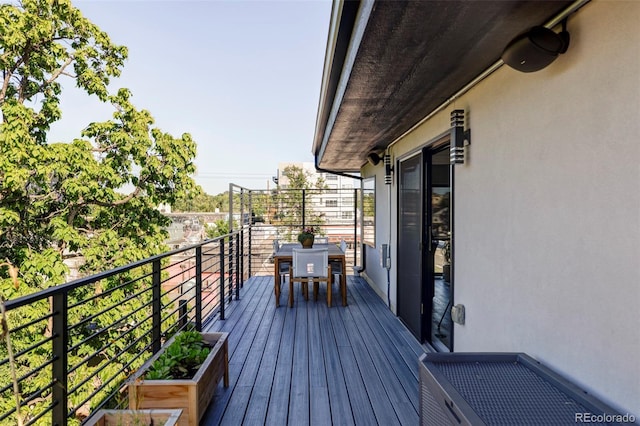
(389, 64)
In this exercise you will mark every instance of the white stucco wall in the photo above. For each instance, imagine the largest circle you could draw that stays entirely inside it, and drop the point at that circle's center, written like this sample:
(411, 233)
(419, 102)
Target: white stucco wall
(375, 275)
(547, 214)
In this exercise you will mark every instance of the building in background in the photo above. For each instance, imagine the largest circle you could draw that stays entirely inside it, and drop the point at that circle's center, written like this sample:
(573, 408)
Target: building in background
(336, 204)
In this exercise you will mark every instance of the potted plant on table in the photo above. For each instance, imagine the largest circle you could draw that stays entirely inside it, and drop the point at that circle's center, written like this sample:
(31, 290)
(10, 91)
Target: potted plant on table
(306, 236)
(183, 374)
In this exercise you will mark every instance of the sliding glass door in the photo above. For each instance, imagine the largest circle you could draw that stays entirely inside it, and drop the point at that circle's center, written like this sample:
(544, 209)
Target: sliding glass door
(409, 244)
(437, 217)
(424, 237)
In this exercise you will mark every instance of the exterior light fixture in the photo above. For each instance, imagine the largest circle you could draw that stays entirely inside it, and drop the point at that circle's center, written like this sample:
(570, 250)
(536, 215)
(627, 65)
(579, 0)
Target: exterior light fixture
(458, 137)
(388, 169)
(535, 49)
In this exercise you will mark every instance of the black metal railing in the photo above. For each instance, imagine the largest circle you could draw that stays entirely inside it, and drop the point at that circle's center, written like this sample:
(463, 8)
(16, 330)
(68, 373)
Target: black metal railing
(75, 345)
(281, 213)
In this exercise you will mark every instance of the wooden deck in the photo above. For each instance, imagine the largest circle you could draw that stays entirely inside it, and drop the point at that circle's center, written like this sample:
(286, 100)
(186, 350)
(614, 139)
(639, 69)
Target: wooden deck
(316, 365)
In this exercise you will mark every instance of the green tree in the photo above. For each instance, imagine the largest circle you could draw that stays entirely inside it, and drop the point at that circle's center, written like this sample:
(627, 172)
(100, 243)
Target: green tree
(299, 178)
(289, 201)
(96, 195)
(221, 201)
(200, 201)
(196, 201)
(219, 228)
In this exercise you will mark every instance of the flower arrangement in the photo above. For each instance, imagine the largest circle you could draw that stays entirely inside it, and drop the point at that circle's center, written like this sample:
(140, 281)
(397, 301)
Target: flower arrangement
(308, 232)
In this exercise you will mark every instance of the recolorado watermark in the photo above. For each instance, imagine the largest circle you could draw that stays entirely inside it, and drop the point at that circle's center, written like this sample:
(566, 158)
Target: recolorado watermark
(604, 418)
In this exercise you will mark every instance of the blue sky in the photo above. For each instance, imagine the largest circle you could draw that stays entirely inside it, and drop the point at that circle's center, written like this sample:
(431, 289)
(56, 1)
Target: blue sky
(242, 77)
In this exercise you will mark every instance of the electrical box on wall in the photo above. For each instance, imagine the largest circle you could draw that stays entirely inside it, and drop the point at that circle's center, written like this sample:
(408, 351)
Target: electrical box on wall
(385, 256)
(457, 314)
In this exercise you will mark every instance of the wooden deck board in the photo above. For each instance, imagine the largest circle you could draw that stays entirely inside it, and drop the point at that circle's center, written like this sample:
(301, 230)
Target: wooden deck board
(338, 396)
(408, 346)
(299, 397)
(383, 361)
(278, 410)
(311, 364)
(390, 355)
(259, 402)
(373, 383)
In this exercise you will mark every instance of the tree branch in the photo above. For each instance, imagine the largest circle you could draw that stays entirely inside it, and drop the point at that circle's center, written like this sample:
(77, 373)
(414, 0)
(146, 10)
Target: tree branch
(57, 73)
(8, 76)
(120, 202)
(5, 86)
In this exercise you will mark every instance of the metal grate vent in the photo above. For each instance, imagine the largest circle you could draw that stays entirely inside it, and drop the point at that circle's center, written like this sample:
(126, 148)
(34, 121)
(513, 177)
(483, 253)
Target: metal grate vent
(499, 389)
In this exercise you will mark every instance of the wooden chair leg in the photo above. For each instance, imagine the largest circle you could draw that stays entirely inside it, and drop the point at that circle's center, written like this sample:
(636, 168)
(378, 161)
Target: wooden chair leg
(329, 291)
(316, 286)
(343, 288)
(305, 290)
(291, 293)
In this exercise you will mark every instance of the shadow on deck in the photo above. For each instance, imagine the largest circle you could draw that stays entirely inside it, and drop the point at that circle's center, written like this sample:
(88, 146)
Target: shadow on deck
(316, 365)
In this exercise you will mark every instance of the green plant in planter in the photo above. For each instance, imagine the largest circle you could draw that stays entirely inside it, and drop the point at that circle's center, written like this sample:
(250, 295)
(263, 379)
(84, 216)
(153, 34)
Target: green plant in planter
(308, 232)
(181, 359)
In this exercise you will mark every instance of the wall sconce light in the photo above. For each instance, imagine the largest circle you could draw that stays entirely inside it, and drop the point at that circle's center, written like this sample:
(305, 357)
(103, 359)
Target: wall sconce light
(373, 158)
(459, 137)
(535, 49)
(388, 169)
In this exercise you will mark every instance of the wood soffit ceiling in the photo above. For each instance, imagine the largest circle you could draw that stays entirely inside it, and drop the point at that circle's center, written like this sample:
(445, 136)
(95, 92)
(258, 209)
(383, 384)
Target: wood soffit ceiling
(413, 57)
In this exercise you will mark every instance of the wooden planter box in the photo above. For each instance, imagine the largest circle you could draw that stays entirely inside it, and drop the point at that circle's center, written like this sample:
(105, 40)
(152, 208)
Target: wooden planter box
(192, 395)
(135, 418)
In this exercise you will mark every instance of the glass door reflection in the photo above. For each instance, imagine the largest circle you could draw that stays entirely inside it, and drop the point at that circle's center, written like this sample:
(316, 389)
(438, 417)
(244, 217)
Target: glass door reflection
(438, 200)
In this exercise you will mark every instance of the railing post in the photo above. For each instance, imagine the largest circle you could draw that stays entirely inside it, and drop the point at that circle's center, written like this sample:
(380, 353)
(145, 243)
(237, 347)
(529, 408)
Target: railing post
(222, 297)
(199, 288)
(251, 227)
(230, 255)
(355, 224)
(231, 207)
(304, 208)
(241, 238)
(182, 313)
(156, 327)
(250, 248)
(59, 367)
(238, 270)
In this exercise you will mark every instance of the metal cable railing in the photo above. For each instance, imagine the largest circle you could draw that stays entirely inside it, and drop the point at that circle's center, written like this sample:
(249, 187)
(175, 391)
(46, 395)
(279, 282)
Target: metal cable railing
(76, 344)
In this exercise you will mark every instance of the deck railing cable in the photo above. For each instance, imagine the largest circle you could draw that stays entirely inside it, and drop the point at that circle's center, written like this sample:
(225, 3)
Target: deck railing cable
(76, 344)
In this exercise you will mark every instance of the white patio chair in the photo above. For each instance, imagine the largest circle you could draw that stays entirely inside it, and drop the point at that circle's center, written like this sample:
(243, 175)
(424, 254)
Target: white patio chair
(321, 240)
(310, 265)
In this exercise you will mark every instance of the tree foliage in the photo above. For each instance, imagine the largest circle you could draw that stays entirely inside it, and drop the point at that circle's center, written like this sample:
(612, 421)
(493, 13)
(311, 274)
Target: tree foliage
(203, 202)
(218, 229)
(289, 201)
(95, 196)
(299, 178)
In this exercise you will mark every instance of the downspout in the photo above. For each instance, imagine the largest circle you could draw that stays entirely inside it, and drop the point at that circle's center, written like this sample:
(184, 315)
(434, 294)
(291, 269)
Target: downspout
(334, 172)
(387, 263)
